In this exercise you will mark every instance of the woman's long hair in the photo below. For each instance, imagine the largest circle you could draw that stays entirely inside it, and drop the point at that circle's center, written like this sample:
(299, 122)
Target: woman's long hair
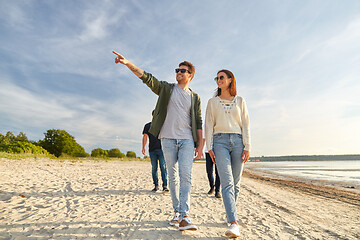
(232, 86)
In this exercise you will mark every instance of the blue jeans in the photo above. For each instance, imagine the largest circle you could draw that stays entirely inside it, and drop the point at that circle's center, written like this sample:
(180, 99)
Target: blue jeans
(228, 148)
(179, 155)
(156, 155)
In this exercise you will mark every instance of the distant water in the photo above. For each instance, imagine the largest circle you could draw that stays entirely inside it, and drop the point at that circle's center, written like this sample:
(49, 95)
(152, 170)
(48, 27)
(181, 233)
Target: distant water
(338, 171)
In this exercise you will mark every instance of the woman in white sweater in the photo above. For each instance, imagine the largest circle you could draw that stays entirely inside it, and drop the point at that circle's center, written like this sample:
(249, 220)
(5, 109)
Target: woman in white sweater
(227, 134)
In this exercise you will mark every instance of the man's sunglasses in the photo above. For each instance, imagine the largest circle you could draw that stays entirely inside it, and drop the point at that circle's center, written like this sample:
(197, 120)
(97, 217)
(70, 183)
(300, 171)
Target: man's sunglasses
(219, 78)
(182, 70)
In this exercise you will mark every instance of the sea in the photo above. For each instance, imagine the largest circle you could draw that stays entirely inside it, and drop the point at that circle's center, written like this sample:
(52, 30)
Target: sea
(345, 171)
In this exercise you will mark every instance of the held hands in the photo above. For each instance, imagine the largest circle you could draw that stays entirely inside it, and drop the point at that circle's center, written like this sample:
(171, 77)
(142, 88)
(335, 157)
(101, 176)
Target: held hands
(120, 58)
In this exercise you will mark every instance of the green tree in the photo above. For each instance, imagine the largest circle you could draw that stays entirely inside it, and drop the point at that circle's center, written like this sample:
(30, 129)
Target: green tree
(131, 154)
(2, 139)
(10, 136)
(24, 147)
(98, 152)
(6, 139)
(21, 137)
(59, 142)
(115, 153)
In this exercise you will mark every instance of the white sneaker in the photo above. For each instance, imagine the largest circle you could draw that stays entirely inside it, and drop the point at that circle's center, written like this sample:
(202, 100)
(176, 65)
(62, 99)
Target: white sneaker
(233, 231)
(175, 221)
(186, 224)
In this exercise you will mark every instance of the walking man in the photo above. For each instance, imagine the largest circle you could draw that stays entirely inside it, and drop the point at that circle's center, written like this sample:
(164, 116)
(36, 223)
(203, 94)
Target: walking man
(178, 123)
(156, 157)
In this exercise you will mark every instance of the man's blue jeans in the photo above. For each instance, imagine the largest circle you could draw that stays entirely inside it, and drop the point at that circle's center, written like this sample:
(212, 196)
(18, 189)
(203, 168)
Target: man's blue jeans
(179, 155)
(156, 155)
(228, 148)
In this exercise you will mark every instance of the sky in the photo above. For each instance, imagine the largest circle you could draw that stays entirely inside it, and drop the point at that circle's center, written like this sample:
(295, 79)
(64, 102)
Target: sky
(296, 63)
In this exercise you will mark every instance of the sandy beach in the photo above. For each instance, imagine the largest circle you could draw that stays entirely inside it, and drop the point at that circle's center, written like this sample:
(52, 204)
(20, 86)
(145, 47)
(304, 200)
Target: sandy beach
(53, 199)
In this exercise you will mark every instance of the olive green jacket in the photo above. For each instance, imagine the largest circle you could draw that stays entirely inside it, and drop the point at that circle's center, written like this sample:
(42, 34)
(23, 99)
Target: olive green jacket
(164, 90)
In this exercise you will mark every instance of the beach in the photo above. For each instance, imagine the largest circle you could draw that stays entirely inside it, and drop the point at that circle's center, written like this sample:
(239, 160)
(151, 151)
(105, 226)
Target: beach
(88, 199)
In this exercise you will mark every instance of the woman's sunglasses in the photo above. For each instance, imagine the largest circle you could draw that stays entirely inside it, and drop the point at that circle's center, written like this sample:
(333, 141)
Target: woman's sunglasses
(182, 70)
(219, 78)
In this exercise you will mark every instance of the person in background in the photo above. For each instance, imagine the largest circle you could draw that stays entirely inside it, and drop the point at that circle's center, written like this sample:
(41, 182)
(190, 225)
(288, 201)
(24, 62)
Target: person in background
(156, 157)
(227, 134)
(214, 186)
(178, 123)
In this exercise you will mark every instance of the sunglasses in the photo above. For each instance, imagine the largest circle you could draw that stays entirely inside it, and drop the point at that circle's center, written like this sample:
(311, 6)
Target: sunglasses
(182, 70)
(219, 78)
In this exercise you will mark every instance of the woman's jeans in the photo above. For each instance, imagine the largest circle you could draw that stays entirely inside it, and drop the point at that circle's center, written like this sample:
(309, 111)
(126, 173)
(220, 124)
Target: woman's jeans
(228, 148)
(156, 155)
(179, 155)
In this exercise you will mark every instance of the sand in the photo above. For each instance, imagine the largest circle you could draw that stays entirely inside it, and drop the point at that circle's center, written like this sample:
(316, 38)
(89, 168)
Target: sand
(52, 199)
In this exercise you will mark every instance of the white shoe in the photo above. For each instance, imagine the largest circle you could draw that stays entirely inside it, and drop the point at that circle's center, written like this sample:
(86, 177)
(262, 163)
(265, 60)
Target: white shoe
(186, 224)
(233, 231)
(175, 221)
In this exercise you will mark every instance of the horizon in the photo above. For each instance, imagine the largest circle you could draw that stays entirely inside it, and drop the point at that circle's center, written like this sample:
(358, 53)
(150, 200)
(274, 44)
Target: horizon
(296, 65)
(264, 156)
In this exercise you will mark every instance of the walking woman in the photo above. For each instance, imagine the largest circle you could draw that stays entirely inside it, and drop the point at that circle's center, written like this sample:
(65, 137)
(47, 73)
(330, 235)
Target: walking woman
(227, 134)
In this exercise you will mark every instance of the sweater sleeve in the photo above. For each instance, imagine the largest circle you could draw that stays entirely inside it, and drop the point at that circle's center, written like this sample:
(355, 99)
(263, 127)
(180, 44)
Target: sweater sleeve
(245, 119)
(209, 125)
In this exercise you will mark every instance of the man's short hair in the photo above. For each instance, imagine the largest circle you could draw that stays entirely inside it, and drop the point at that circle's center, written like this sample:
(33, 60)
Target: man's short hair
(190, 67)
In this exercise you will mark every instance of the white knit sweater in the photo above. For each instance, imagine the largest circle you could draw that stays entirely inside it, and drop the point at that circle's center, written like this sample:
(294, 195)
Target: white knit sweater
(223, 116)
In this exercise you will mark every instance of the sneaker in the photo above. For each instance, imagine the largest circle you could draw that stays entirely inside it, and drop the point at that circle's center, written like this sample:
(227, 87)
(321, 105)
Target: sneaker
(211, 191)
(217, 195)
(233, 231)
(165, 190)
(155, 189)
(186, 224)
(175, 220)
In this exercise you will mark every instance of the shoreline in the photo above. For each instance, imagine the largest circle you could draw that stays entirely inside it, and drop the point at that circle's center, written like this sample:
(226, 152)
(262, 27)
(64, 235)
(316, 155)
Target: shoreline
(346, 186)
(351, 196)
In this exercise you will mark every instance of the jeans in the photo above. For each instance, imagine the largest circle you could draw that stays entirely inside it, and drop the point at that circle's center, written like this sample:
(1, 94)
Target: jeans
(228, 148)
(209, 170)
(156, 155)
(179, 155)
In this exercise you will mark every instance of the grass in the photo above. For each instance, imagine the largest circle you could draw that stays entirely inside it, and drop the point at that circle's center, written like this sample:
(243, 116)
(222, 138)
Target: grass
(20, 156)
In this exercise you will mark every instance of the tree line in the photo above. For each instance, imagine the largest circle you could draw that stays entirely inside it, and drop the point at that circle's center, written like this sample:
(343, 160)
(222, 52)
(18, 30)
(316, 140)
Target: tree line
(56, 142)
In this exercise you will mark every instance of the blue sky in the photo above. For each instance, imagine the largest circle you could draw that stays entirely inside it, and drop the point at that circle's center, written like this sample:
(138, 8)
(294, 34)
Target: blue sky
(296, 64)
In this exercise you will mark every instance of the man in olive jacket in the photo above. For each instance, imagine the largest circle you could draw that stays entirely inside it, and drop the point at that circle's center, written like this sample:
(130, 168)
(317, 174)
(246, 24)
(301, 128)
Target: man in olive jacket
(177, 122)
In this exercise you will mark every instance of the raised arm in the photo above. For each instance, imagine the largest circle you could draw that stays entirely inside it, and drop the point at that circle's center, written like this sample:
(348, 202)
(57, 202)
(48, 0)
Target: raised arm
(121, 59)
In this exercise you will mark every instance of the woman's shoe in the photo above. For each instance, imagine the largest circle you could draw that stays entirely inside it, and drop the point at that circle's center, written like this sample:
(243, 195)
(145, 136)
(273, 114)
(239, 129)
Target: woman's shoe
(233, 231)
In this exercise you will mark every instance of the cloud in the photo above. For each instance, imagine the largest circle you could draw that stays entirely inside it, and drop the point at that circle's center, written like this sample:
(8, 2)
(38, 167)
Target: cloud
(348, 38)
(14, 15)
